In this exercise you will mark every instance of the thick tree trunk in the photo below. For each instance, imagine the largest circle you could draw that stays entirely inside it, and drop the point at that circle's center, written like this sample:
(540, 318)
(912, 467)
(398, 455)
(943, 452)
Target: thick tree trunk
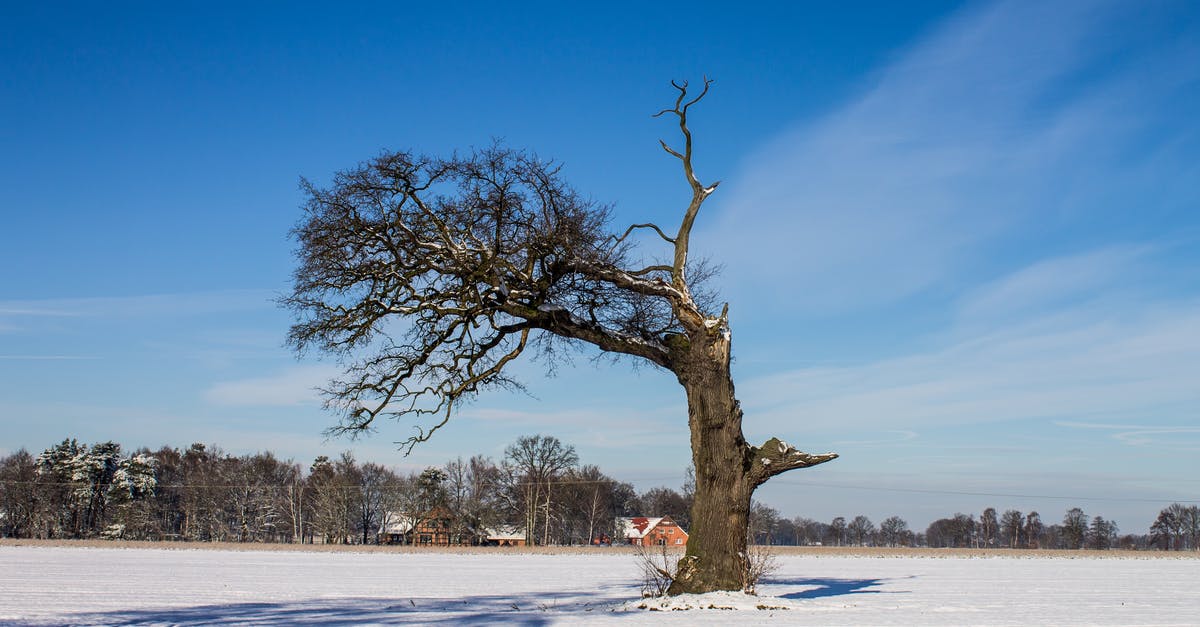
(716, 549)
(727, 468)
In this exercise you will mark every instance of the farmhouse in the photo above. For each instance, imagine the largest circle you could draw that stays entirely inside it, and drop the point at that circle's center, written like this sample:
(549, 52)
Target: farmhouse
(432, 528)
(506, 535)
(645, 531)
(437, 527)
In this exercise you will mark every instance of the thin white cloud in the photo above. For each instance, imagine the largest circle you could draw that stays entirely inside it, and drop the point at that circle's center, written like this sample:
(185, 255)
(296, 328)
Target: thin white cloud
(1053, 282)
(293, 387)
(14, 309)
(896, 437)
(602, 427)
(1074, 364)
(982, 132)
(46, 357)
(1159, 437)
(193, 303)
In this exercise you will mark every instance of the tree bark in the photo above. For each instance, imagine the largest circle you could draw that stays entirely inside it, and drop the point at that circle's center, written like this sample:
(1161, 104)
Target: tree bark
(715, 557)
(728, 469)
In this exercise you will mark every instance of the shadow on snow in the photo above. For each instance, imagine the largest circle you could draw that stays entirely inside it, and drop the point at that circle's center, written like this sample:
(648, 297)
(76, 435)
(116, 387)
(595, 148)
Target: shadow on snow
(540, 609)
(821, 588)
(530, 609)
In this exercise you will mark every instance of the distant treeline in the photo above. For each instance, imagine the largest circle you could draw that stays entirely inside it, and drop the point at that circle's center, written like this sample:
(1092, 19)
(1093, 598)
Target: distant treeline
(1177, 528)
(73, 490)
(201, 493)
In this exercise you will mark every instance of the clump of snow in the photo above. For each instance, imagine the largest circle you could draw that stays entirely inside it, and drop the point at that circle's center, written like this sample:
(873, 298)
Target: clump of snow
(709, 601)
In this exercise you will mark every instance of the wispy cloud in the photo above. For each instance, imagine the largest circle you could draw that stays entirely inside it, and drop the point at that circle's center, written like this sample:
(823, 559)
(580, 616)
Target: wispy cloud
(1006, 123)
(602, 427)
(45, 357)
(1074, 362)
(1161, 437)
(14, 309)
(193, 303)
(1053, 282)
(292, 387)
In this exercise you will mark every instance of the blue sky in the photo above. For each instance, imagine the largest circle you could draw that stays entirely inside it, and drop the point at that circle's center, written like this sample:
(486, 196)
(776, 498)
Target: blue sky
(961, 241)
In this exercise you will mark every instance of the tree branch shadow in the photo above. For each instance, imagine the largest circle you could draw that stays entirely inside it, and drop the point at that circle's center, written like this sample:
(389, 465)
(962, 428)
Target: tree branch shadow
(822, 588)
(536, 608)
(532, 609)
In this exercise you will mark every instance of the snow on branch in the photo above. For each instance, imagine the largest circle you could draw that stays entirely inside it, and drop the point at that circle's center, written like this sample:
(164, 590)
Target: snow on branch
(776, 457)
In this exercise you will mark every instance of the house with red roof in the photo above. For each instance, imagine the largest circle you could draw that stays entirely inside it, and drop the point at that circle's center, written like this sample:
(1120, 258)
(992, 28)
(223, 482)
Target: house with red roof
(647, 531)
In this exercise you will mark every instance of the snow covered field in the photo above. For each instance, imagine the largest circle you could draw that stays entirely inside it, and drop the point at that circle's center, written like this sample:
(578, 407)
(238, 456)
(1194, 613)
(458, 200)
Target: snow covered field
(150, 586)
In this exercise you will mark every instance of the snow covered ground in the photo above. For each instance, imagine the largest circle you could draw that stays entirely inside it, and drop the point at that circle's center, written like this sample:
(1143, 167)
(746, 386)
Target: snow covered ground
(150, 586)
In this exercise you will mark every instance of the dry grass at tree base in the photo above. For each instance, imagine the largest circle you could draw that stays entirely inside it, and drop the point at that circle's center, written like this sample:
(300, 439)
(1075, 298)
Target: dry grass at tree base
(779, 550)
(658, 566)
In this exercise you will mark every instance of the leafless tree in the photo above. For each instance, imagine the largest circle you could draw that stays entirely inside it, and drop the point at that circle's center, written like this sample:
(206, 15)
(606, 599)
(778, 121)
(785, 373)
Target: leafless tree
(989, 526)
(664, 501)
(1011, 523)
(764, 520)
(861, 529)
(588, 496)
(429, 276)
(1189, 524)
(331, 498)
(1034, 528)
(807, 531)
(376, 486)
(1075, 528)
(18, 495)
(536, 463)
(893, 531)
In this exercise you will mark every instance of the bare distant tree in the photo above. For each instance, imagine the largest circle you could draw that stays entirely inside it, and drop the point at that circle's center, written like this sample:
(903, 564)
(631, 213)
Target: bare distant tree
(956, 532)
(1034, 528)
(1074, 528)
(18, 495)
(587, 498)
(894, 531)
(764, 520)
(1177, 527)
(536, 464)
(376, 486)
(329, 498)
(664, 501)
(861, 529)
(989, 526)
(807, 531)
(430, 276)
(1189, 524)
(836, 531)
(1011, 523)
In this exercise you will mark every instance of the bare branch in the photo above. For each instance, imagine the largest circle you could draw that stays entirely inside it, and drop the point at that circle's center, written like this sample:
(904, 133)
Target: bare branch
(468, 255)
(671, 152)
(689, 315)
(648, 225)
(649, 269)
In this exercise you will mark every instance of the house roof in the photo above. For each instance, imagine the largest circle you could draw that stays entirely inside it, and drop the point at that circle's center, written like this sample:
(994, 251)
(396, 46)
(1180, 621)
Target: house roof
(638, 526)
(403, 522)
(505, 532)
(397, 522)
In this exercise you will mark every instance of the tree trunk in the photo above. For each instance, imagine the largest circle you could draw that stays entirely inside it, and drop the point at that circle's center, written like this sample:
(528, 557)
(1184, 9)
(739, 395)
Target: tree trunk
(716, 549)
(728, 470)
